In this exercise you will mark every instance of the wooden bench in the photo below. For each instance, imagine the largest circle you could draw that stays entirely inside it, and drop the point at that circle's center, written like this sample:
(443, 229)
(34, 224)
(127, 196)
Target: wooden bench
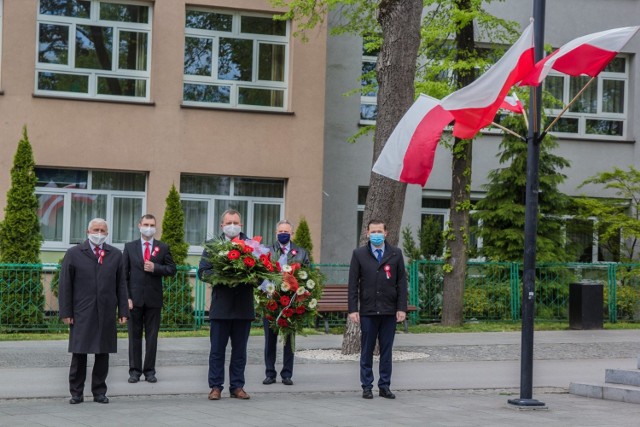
(334, 299)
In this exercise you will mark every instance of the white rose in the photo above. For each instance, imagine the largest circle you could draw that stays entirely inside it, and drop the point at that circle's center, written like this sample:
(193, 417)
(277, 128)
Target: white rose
(313, 303)
(285, 287)
(286, 268)
(303, 274)
(301, 290)
(271, 288)
(311, 284)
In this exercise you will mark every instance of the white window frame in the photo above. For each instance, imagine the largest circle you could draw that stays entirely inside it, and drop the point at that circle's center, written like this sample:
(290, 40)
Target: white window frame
(65, 243)
(94, 74)
(234, 85)
(368, 99)
(599, 115)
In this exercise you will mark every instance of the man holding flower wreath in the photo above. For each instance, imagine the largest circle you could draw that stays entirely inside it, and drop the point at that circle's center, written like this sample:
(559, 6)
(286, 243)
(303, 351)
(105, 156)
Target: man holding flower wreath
(230, 314)
(285, 252)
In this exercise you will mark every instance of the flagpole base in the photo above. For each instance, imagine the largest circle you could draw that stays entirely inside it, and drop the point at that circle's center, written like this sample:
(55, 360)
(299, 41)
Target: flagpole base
(527, 404)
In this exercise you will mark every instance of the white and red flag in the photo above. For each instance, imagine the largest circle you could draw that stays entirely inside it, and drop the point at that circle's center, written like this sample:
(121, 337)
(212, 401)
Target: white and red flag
(513, 104)
(586, 55)
(475, 106)
(409, 152)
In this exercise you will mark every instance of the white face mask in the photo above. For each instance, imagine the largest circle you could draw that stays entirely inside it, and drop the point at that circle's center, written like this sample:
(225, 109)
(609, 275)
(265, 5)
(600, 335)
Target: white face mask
(231, 230)
(147, 231)
(97, 238)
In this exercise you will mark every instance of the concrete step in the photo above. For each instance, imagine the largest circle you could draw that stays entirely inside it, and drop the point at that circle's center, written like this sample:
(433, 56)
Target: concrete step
(615, 392)
(622, 376)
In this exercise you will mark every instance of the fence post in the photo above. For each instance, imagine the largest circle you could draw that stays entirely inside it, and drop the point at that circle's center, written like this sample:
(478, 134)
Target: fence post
(514, 282)
(414, 289)
(613, 299)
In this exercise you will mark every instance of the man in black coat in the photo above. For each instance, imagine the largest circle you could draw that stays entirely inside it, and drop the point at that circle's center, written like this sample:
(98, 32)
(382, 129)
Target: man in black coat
(286, 253)
(91, 289)
(377, 300)
(230, 314)
(146, 262)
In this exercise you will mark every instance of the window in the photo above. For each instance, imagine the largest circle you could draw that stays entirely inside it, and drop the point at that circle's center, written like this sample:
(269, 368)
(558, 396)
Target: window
(234, 60)
(94, 49)
(601, 111)
(69, 198)
(205, 197)
(369, 87)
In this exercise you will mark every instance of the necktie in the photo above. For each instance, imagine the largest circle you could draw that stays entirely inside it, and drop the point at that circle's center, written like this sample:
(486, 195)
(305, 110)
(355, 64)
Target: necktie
(379, 255)
(284, 250)
(147, 252)
(97, 251)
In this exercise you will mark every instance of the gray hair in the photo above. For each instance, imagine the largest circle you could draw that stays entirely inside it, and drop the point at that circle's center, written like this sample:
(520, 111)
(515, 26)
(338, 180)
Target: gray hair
(229, 212)
(285, 221)
(97, 221)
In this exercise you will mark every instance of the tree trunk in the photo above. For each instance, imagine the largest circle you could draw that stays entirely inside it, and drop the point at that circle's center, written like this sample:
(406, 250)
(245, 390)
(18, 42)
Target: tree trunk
(458, 232)
(396, 70)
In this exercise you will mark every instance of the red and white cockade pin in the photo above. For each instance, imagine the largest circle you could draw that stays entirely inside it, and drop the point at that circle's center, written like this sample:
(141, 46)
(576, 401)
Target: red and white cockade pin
(102, 253)
(293, 252)
(387, 269)
(155, 251)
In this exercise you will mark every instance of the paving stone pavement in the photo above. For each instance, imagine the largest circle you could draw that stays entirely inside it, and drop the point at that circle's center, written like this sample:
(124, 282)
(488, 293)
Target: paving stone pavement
(466, 380)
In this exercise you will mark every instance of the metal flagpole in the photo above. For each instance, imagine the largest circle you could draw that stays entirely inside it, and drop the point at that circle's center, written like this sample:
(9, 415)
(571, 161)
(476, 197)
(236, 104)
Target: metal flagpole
(531, 224)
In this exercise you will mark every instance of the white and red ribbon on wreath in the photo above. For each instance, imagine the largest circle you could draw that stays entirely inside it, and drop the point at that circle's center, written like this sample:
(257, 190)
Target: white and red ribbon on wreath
(387, 270)
(101, 256)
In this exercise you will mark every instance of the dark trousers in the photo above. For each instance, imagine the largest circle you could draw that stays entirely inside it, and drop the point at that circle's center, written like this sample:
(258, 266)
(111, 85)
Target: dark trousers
(147, 318)
(221, 332)
(270, 347)
(383, 329)
(78, 374)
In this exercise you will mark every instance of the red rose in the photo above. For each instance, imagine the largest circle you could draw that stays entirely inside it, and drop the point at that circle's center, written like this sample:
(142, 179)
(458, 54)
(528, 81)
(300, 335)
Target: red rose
(287, 312)
(295, 266)
(285, 300)
(233, 254)
(248, 249)
(249, 261)
(264, 258)
(269, 317)
(300, 309)
(282, 322)
(278, 268)
(268, 266)
(272, 305)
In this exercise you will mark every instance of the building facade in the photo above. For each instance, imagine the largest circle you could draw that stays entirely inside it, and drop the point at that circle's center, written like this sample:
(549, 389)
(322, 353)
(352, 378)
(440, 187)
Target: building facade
(123, 99)
(595, 135)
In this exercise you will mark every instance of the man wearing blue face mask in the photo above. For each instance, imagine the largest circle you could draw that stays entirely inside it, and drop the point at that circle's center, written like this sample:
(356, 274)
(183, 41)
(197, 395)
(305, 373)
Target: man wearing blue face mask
(377, 300)
(285, 252)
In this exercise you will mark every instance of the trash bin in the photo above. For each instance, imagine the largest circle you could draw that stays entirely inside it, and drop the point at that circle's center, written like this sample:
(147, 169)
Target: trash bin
(585, 305)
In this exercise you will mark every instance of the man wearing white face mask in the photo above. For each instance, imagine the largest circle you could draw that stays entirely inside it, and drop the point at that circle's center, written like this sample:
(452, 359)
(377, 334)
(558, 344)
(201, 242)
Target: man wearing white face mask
(230, 315)
(146, 262)
(91, 288)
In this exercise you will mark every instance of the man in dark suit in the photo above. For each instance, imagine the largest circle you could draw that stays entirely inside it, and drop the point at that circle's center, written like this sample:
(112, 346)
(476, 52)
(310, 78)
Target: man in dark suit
(146, 262)
(230, 314)
(285, 252)
(377, 300)
(91, 289)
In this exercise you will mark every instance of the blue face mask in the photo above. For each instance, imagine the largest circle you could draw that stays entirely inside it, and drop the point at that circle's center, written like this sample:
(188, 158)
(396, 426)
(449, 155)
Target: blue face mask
(376, 238)
(284, 238)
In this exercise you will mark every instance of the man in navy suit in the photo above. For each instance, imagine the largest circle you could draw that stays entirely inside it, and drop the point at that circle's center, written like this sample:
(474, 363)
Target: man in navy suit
(377, 300)
(230, 314)
(146, 262)
(286, 253)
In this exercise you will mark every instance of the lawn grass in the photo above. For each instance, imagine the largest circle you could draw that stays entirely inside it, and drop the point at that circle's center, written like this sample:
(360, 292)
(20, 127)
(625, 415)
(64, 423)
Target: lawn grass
(338, 330)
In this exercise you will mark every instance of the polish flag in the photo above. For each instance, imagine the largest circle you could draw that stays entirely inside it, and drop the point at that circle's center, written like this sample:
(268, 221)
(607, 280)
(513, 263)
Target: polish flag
(513, 104)
(409, 152)
(587, 55)
(475, 106)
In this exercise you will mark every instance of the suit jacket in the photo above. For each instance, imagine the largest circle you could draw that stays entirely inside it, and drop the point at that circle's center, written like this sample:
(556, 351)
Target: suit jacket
(90, 293)
(227, 303)
(145, 288)
(295, 254)
(377, 289)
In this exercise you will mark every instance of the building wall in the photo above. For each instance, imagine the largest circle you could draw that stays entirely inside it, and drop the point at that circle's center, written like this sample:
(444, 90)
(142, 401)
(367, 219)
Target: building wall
(348, 166)
(162, 137)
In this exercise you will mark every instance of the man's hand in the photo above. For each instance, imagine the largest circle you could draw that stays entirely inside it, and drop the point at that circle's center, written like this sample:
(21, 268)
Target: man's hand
(149, 266)
(400, 316)
(130, 304)
(123, 320)
(68, 320)
(355, 317)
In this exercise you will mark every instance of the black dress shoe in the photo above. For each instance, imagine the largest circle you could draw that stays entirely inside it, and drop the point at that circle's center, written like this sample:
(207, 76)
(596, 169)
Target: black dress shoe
(151, 378)
(387, 394)
(133, 379)
(268, 381)
(367, 394)
(101, 398)
(287, 381)
(76, 399)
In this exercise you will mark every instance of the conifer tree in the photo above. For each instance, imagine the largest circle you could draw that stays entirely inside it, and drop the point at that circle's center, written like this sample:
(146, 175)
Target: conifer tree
(22, 299)
(302, 237)
(177, 296)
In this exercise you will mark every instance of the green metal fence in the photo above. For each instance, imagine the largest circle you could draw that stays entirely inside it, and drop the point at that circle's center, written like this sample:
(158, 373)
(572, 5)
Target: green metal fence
(28, 293)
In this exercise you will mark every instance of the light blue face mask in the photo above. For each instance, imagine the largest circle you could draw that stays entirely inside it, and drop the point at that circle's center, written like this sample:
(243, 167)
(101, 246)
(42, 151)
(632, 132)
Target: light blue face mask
(376, 238)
